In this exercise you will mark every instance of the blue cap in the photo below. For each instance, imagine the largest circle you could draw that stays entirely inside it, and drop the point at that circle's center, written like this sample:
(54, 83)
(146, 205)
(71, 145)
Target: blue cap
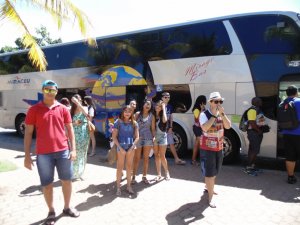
(49, 83)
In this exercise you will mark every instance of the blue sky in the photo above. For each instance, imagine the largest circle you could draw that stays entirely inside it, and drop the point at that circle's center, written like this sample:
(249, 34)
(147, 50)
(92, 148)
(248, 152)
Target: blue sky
(118, 16)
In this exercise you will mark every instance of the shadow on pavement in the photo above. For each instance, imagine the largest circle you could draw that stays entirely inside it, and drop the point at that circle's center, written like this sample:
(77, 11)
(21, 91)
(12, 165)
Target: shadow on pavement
(188, 213)
(270, 183)
(106, 193)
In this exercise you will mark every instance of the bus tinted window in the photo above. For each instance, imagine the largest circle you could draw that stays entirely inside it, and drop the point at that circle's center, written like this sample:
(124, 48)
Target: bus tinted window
(202, 39)
(267, 34)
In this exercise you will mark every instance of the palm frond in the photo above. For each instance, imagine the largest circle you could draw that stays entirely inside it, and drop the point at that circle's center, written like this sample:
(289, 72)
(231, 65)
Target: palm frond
(36, 55)
(65, 10)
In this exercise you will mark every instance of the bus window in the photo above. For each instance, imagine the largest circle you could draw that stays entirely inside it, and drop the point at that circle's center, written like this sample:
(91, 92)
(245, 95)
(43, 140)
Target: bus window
(137, 92)
(181, 99)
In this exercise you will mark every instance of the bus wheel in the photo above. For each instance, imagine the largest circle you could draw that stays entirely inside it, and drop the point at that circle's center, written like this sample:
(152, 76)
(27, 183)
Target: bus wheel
(230, 147)
(20, 125)
(180, 141)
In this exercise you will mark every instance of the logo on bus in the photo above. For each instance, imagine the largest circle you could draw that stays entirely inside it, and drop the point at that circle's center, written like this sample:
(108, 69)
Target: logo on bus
(197, 69)
(294, 63)
(18, 80)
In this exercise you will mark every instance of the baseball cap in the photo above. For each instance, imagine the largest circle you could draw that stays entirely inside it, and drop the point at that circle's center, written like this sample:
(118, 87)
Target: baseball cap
(49, 83)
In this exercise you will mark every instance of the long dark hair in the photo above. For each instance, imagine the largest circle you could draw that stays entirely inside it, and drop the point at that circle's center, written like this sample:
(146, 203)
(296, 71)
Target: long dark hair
(74, 106)
(162, 126)
(151, 108)
(89, 102)
(199, 101)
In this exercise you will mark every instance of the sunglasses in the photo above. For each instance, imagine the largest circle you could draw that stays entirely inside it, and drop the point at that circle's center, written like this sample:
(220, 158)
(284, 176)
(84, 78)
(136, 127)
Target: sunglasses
(166, 97)
(49, 91)
(217, 102)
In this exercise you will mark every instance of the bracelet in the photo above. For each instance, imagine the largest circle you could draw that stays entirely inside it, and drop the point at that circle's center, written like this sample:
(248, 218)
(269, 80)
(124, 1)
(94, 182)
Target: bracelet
(214, 116)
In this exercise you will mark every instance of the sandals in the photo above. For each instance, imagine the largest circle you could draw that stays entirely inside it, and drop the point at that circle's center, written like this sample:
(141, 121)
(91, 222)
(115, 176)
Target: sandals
(158, 178)
(118, 193)
(71, 212)
(211, 204)
(180, 162)
(195, 163)
(206, 191)
(51, 218)
(133, 181)
(130, 191)
(167, 176)
(144, 179)
(92, 154)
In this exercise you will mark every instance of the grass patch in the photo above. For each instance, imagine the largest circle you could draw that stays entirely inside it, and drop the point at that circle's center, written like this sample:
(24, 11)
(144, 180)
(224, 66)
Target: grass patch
(6, 165)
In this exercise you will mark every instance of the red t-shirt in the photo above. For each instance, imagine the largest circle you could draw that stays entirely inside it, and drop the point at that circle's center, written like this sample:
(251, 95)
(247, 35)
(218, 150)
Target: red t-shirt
(50, 126)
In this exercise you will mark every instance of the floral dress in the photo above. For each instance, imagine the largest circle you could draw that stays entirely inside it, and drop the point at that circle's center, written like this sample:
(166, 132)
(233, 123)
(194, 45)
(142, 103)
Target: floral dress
(82, 138)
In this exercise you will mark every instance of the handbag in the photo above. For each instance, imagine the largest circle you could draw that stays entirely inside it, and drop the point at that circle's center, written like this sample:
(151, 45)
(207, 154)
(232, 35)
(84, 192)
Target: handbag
(91, 127)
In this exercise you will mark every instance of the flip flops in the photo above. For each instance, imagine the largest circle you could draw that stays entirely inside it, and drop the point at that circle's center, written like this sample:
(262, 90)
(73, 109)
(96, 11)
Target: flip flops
(180, 162)
(71, 212)
(51, 219)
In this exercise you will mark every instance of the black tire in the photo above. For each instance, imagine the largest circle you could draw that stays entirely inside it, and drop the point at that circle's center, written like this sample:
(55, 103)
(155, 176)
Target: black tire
(180, 140)
(20, 125)
(231, 147)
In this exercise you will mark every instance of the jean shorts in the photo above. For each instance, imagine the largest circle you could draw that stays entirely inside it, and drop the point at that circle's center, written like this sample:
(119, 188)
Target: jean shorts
(47, 162)
(170, 138)
(211, 162)
(144, 142)
(161, 139)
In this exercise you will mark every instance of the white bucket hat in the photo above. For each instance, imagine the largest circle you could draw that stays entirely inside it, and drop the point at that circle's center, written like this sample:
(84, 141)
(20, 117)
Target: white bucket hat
(215, 95)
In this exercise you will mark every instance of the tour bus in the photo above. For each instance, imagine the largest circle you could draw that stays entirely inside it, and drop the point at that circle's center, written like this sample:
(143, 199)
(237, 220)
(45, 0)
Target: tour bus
(241, 56)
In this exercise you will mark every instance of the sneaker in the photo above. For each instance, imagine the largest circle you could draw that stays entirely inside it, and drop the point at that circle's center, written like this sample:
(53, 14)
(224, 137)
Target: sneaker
(292, 179)
(250, 171)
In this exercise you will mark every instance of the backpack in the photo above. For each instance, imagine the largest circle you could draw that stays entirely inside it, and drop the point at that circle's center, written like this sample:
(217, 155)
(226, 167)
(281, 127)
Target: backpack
(287, 115)
(243, 126)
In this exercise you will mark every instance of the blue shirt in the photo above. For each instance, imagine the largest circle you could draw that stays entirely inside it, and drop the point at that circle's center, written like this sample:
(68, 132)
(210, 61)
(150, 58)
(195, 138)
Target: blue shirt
(125, 133)
(297, 105)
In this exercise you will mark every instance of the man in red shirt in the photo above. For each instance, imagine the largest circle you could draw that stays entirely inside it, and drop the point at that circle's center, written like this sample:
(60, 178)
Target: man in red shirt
(49, 118)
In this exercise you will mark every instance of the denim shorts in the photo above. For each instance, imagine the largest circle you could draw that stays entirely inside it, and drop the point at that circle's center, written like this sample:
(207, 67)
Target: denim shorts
(211, 162)
(47, 162)
(170, 138)
(161, 139)
(144, 142)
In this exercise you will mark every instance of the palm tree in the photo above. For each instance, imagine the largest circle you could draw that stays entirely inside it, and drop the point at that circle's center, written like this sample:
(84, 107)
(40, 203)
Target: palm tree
(60, 10)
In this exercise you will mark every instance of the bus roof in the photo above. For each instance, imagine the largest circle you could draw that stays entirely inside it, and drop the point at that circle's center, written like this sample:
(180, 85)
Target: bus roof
(288, 13)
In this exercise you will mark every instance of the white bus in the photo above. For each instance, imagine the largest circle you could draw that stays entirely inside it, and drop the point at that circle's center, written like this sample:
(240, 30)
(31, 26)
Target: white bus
(241, 56)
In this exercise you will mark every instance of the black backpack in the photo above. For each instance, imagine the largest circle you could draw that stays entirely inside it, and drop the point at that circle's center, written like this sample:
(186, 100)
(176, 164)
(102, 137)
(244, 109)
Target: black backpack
(287, 115)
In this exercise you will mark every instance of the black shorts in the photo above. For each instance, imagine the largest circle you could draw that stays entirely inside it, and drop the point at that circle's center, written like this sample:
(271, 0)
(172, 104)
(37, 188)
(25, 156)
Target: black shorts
(291, 147)
(197, 131)
(211, 162)
(255, 140)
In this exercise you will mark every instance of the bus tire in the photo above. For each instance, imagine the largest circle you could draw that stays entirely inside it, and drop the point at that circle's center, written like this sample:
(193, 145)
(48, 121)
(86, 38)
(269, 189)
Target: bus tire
(231, 147)
(20, 125)
(180, 140)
